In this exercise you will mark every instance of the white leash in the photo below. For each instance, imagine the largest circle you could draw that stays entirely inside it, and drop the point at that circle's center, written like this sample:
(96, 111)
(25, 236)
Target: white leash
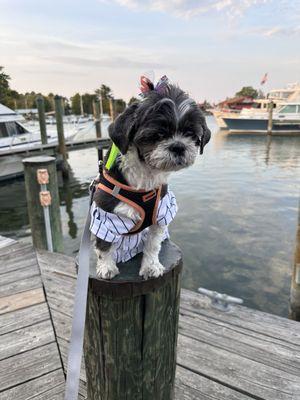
(77, 335)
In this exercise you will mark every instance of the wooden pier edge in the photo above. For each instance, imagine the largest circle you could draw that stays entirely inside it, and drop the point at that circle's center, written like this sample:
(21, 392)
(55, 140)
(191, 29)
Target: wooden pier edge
(131, 332)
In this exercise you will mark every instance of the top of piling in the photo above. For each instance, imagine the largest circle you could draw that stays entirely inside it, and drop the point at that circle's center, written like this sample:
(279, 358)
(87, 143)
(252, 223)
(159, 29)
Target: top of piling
(38, 160)
(128, 283)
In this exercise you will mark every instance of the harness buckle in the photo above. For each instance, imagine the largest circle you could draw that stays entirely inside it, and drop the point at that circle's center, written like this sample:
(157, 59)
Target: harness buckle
(115, 191)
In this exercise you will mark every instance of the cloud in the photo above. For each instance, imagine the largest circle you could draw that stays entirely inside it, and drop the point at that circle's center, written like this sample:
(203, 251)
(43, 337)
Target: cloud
(112, 62)
(278, 30)
(187, 9)
(271, 32)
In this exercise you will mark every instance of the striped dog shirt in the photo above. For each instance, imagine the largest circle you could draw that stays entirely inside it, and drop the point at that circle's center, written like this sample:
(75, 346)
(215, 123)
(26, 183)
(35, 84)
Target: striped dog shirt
(115, 228)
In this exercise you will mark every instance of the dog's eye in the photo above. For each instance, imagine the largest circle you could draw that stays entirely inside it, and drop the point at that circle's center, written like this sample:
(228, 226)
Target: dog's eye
(189, 133)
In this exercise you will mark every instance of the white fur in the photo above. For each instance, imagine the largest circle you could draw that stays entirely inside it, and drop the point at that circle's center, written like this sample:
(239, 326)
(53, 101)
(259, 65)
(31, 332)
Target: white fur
(151, 267)
(161, 157)
(139, 175)
(106, 267)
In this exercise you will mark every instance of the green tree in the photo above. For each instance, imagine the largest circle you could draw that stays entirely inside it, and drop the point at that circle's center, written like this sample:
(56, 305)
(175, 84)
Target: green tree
(119, 106)
(75, 104)
(87, 100)
(4, 86)
(105, 93)
(248, 91)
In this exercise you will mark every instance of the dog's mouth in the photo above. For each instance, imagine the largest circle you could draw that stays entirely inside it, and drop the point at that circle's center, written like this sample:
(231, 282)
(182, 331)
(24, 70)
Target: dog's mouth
(169, 161)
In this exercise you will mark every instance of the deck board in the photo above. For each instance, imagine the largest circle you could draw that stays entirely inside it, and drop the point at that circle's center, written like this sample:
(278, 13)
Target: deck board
(30, 363)
(242, 354)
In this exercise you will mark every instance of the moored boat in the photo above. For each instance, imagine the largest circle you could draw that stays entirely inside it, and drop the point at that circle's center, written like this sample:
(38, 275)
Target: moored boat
(232, 108)
(286, 121)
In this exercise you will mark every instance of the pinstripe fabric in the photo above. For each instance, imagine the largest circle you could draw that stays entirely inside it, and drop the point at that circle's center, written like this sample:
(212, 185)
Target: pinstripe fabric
(112, 228)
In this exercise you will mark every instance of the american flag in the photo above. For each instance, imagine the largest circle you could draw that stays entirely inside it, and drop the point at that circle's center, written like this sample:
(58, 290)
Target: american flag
(264, 79)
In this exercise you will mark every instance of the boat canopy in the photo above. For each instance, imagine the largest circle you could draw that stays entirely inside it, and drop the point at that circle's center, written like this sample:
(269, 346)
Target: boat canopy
(6, 114)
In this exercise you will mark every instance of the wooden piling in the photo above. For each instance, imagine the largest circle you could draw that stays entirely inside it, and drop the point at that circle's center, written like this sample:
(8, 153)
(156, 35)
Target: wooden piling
(42, 121)
(294, 312)
(270, 120)
(35, 210)
(111, 109)
(97, 116)
(62, 149)
(131, 332)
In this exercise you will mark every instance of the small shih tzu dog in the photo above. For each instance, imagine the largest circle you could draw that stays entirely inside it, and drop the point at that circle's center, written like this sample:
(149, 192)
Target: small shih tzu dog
(132, 205)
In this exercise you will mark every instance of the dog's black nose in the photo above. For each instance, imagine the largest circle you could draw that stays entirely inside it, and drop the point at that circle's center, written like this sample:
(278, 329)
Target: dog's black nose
(178, 148)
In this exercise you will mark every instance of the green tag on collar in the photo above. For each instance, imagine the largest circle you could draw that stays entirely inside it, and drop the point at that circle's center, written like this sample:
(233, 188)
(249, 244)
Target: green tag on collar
(114, 151)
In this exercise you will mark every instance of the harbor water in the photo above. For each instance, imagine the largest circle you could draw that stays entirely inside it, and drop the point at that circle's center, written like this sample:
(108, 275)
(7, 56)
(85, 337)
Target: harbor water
(237, 218)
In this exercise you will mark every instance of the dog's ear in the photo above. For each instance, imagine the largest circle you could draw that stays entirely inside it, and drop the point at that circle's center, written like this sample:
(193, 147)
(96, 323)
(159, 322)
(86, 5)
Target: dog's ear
(206, 134)
(121, 130)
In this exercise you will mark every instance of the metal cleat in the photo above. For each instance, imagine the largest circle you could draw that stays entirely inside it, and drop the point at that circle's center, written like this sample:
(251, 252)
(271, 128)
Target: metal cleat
(220, 301)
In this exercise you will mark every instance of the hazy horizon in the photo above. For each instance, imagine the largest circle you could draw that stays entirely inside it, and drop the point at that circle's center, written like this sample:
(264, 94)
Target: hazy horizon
(210, 48)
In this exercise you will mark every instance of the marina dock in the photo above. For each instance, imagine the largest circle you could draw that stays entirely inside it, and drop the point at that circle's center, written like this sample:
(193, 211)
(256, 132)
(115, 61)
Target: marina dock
(236, 355)
(11, 160)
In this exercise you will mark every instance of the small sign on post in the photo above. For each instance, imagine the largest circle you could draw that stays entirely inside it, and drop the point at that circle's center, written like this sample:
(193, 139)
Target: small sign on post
(45, 200)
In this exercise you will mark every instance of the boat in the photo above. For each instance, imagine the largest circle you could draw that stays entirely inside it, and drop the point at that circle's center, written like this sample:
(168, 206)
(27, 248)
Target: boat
(286, 121)
(12, 130)
(232, 108)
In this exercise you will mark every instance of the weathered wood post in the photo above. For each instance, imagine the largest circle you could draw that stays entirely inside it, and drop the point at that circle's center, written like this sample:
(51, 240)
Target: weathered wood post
(131, 332)
(42, 121)
(111, 109)
(294, 312)
(43, 169)
(270, 120)
(97, 116)
(59, 112)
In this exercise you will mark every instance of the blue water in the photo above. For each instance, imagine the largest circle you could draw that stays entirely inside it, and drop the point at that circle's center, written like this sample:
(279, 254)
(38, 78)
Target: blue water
(237, 218)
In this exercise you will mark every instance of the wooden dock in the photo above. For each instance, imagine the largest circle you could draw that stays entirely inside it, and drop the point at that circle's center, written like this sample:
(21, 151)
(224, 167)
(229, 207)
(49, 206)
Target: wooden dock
(11, 165)
(238, 355)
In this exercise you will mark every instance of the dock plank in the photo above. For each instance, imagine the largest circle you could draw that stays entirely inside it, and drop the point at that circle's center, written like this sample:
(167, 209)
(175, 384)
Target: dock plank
(24, 317)
(46, 387)
(5, 242)
(20, 281)
(21, 300)
(26, 339)
(29, 365)
(241, 374)
(254, 347)
(192, 386)
(244, 318)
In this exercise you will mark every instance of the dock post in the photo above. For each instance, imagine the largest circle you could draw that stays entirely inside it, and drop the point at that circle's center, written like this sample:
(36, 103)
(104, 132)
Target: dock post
(270, 120)
(294, 312)
(59, 112)
(97, 116)
(111, 109)
(42, 121)
(42, 199)
(131, 332)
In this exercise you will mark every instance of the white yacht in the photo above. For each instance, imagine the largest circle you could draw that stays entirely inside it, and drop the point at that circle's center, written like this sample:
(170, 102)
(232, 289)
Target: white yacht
(286, 121)
(279, 97)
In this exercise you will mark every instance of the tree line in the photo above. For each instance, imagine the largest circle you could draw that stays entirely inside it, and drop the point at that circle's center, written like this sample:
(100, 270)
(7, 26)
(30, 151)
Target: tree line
(75, 105)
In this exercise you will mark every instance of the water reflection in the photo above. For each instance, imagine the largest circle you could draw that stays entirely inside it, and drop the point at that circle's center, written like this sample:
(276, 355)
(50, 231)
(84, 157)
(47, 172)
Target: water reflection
(236, 222)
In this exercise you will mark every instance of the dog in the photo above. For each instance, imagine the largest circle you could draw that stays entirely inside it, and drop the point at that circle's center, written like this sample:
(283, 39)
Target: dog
(132, 207)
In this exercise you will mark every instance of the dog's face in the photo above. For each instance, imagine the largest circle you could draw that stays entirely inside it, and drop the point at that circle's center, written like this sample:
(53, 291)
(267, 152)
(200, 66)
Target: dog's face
(166, 130)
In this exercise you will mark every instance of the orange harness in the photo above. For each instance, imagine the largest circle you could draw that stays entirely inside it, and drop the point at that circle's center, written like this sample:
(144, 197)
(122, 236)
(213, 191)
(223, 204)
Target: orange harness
(145, 202)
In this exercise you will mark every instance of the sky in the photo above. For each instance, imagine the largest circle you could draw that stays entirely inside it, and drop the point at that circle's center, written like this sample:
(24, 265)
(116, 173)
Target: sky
(210, 48)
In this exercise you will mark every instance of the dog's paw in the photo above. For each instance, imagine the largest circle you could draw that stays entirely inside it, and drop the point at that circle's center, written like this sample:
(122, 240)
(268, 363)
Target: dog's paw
(106, 271)
(151, 268)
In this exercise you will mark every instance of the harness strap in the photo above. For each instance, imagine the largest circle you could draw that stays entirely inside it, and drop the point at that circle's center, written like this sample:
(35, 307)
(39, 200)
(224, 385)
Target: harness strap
(78, 322)
(144, 202)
